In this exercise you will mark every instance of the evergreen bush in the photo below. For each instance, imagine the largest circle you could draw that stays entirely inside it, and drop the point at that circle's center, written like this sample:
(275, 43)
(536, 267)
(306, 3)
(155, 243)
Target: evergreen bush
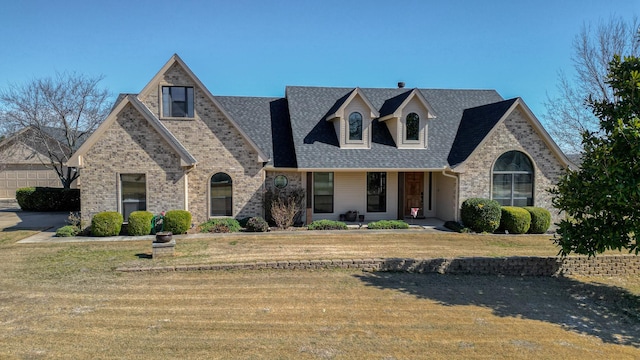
(48, 199)
(140, 223)
(67, 231)
(481, 215)
(540, 220)
(106, 223)
(177, 221)
(515, 220)
(327, 225)
(257, 224)
(388, 224)
(220, 225)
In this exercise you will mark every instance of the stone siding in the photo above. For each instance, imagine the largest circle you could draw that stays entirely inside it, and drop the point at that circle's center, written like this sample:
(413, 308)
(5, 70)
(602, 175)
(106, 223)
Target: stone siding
(129, 146)
(217, 146)
(515, 133)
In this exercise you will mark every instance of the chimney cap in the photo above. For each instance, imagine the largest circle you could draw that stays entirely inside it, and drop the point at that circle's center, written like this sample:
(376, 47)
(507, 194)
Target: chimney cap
(400, 84)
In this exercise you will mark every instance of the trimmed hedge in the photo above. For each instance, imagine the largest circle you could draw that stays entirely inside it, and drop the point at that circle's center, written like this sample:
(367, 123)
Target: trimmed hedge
(540, 219)
(481, 215)
(177, 221)
(456, 226)
(388, 224)
(48, 199)
(257, 224)
(67, 231)
(139, 223)
(515, 220)
(106, 223)
(327, 225)
(220, 226)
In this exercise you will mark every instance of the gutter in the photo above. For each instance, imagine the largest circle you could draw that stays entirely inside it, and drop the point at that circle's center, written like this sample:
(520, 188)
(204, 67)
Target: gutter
(444, 173)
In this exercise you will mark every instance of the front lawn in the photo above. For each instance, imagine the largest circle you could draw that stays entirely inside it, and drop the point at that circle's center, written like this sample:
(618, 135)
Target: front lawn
(65, 301)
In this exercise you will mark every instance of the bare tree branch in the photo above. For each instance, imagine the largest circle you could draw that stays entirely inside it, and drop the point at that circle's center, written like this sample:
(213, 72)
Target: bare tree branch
(567, 114)
(60, 111)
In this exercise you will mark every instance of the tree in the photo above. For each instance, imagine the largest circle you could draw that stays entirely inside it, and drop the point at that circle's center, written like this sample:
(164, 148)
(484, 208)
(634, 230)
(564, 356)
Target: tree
(601, 198)
(60, 112)
(567, 114)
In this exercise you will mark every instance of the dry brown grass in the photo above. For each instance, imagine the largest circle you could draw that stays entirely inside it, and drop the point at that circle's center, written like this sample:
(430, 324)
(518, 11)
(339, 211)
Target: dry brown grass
(64, 301)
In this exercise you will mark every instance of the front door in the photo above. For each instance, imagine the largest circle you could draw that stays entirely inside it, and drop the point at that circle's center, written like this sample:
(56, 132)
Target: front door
(413, 192)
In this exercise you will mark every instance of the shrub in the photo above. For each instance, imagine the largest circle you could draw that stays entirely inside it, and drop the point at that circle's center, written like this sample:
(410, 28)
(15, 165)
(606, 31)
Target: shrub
(456, 226)
(388, 224)
(140, 223)
(540, 220)
(220, 225)
(243, 221)
(177, 221)
(106, 223)
(327, 225)
(283, 207)
(257, 224)
(481, 215)
(515, 220)
(48, 199)
(67, 231)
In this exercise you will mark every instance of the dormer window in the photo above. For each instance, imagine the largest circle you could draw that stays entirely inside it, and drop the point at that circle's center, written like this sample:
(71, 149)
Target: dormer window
(177, 101)
(413, 127)
(355, 126)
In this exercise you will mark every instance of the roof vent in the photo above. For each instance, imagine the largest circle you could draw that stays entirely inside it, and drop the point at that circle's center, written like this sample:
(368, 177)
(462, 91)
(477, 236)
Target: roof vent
(400, 84)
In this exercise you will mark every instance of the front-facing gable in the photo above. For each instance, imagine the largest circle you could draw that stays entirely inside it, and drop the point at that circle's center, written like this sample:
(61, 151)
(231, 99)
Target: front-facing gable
(186, 159)
(480, 122)
(151, 96)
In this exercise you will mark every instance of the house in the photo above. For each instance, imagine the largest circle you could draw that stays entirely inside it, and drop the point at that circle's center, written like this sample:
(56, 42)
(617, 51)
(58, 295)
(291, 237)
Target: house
(24, 160)
(381, 152)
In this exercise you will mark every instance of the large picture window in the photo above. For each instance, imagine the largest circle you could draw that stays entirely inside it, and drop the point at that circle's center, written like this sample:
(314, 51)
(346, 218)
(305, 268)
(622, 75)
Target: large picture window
(513, 180)
(323, 192)
(133, 192)
(413, 127)
(376, 192)
(221, 195)
(177, 101)
(355, 126)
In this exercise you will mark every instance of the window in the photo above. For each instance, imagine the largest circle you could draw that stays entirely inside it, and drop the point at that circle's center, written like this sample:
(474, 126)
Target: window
(133, 192)
(280, 181)
(221, 195)
(355, 126)
(376, 192)
(413, 127)
(177, 101)
(513, 179)
(323, 192)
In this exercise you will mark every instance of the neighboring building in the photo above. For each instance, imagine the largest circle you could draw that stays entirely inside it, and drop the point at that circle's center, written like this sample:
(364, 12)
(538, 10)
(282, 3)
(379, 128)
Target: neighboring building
(380, 152)
(24, 161)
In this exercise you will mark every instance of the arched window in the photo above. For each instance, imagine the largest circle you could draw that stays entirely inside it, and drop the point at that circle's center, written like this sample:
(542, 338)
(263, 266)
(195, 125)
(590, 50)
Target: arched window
(355, 126)
(221, 195)
(513, 179)
(413, 127)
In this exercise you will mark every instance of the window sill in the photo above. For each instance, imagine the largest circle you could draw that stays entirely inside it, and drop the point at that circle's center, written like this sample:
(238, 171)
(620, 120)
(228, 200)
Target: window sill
(177, 118)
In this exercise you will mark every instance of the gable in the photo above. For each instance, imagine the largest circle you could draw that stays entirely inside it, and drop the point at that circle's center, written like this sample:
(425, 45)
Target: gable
(176, 73)
(478, 124)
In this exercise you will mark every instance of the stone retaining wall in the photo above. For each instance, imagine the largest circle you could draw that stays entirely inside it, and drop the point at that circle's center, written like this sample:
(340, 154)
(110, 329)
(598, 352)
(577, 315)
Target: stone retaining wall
(511, 266)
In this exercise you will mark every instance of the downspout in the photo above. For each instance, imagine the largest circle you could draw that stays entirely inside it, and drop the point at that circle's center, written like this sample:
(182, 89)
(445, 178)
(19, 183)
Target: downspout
(444, 173)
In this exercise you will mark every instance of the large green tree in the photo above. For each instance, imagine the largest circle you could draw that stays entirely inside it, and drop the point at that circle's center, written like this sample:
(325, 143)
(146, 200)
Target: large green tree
(602, 198)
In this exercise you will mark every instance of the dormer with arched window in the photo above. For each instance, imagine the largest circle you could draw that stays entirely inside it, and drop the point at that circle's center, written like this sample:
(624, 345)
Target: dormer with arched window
(351, 117)
(407, 117)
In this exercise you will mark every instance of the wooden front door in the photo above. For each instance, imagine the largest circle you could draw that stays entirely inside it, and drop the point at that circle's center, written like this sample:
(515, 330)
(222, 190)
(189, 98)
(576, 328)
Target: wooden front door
(413, 192)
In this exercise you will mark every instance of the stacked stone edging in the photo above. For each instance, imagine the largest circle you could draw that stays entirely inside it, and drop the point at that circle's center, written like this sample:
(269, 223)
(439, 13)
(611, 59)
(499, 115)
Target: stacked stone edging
(606, 265)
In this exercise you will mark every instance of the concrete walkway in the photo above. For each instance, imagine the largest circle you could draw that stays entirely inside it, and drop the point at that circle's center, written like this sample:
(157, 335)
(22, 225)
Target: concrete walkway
(12, 218)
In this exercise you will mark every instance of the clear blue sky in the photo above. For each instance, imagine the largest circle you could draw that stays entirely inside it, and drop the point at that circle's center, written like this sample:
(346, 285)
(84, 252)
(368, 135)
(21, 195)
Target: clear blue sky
(256, 48)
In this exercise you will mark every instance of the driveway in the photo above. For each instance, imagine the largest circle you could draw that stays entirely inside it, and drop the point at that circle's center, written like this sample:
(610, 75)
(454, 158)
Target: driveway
(12, 218)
